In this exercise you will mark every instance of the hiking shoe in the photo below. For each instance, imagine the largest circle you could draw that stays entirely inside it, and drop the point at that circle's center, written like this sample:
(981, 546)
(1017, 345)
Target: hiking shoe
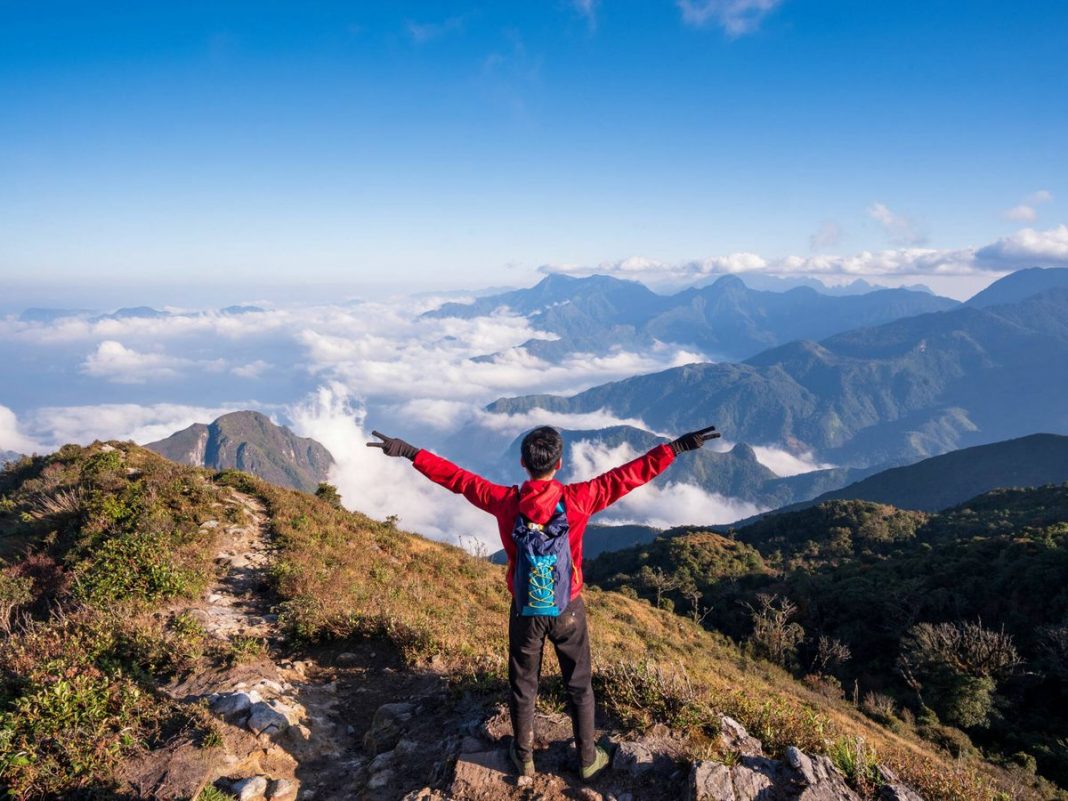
(523, 768)
(600, 762)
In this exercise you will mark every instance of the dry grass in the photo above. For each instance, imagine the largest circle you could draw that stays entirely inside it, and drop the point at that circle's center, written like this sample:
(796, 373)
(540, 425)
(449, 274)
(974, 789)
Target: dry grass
(342, 575)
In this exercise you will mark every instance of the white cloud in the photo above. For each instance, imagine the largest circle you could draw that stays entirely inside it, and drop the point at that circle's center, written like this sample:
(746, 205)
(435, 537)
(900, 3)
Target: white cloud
(58, 425)
(784, 463)
(1028, 248)
(252, 369)
(900, 229)
(736, 17)
(115, 362)
(11, 436)
(380, 486)
(662, 503)
(828, 235)
(1026, 211)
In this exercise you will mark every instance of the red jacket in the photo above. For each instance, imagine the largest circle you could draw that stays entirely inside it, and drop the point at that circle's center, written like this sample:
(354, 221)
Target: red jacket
(537, 499)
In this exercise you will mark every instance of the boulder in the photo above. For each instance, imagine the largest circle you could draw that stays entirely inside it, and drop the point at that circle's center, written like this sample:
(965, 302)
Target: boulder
(230, 704)
(633, 758)
(757, 778)
(283, 790)
(387, 726)
(265, 719)
(250, 789)
(821, 781)
(482, 776)
(737, 739)
(710, 781)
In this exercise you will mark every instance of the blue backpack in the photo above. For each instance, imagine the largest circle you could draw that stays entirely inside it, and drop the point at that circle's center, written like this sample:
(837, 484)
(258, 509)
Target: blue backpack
(542, 565)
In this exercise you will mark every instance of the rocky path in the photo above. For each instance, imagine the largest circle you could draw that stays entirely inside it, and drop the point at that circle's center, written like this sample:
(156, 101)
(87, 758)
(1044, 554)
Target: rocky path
(350, 721)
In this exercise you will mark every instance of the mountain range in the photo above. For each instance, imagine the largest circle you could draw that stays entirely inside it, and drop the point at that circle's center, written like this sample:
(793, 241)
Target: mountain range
(725, 320)
(249, 441)
(877, 396)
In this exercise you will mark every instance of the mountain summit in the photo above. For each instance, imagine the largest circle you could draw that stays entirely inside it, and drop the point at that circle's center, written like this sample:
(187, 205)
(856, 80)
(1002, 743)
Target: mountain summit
(249, 441)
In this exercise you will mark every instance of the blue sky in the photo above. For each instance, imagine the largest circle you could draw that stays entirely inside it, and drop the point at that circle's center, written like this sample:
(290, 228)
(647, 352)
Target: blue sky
(439, 145)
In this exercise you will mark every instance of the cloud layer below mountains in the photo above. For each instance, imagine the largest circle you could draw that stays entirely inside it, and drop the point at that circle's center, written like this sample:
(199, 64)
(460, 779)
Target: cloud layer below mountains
(333, 373)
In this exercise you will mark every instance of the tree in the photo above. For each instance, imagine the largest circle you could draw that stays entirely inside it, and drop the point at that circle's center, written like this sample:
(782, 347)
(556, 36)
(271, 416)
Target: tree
(329, 493)
(659, 582)
(831, 653)
(775, 633)
(957, 666)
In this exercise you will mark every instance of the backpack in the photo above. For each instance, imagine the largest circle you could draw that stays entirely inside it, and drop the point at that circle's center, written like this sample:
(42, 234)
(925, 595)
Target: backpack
(543, 566)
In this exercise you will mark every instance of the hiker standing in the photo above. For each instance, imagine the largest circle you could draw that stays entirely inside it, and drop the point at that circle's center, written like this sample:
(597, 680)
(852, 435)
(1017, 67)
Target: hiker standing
(541, 525)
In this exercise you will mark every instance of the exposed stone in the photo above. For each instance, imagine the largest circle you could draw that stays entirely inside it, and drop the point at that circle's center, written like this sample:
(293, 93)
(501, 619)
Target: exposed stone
(381, 762)
(634, 758)
(482, 776)
(232, 704)
(381, 779)
(406, 748)
(283, 790)
(469, 745)
(710, 781)
(822, 780)
(589, 794)
(346, 659)
(524, 781)
(755, 779)
(737, 739)
(250, 789)
(387, 726)
(425, 794)
(265, 719)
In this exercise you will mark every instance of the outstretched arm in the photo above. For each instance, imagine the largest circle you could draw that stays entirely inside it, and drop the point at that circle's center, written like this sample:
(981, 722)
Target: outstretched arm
(598, 493)
(480, 492)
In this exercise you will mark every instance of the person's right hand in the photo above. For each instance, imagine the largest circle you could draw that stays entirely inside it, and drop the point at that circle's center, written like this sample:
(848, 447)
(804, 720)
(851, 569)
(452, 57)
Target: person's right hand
(694, 440)
(392, 446)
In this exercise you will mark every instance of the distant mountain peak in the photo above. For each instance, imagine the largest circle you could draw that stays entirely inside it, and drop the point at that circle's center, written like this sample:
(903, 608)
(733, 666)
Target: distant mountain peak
(250, 441)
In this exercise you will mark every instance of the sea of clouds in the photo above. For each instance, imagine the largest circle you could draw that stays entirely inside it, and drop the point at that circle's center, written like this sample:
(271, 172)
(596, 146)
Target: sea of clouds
(335, 372)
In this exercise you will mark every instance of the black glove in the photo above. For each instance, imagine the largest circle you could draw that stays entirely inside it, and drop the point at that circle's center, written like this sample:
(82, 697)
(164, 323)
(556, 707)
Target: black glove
(693, 440)
(391, 446)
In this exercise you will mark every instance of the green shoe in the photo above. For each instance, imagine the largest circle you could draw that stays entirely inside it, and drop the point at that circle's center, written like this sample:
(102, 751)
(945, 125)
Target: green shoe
(600, 762)
(524, 768)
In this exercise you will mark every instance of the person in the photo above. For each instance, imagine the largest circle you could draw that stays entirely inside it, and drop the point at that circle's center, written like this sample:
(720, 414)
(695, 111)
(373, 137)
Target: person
(541, 525)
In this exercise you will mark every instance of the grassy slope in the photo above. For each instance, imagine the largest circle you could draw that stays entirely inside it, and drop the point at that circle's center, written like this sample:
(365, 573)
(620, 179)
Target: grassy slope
(342, 574)
(113, 538)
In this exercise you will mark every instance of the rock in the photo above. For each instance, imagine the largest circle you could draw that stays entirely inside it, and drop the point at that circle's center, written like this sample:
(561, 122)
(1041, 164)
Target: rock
(589, 794)
(482, 776)
(381, 762)
(250, 789)
(406, 748)
(634, 758)
(898, 792)
(710, 781)
(822, 780)
(469, 745)
(755, 778)
(737, 739)
(426, 794)
(381, 779)
(283, 790)
(346, 659)
(265, 719)
(524, 781)
(232, 704)
(387, 726)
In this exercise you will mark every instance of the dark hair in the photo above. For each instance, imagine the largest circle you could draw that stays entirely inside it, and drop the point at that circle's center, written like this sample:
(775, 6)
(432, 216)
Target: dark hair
(542, 449)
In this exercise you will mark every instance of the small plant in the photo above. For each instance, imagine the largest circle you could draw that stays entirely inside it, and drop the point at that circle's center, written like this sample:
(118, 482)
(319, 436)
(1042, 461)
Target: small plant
(857, 760)
(213, 793)
(246, 649)
(15, 591)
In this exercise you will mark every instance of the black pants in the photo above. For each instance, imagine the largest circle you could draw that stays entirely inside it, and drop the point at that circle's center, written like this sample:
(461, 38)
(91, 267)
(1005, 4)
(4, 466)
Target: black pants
(570, 638)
